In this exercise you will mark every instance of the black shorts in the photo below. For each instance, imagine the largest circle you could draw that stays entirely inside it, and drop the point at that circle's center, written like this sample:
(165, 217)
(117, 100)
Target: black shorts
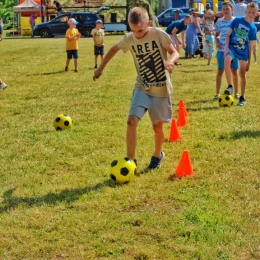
(73, 53)
(98, 50)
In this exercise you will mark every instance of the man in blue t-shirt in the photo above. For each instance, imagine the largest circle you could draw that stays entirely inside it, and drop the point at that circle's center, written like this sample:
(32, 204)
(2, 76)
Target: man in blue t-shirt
(175, 28)
(241, 36)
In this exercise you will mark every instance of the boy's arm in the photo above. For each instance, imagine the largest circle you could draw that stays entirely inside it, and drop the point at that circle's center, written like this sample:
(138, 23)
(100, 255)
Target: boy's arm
(110, 54)
(227, 42)
(174, 34)
(182, 39)
(218, 45)
(174, 56)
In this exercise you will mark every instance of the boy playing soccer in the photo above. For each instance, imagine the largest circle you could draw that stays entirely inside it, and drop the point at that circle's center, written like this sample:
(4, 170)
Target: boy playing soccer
(221, 29)
(98, 38)
(241, 36)
(72, 36)
(153, 87)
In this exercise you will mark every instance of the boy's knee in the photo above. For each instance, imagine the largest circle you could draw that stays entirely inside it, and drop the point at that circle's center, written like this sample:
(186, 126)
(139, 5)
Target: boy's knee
(158, 127)
(132, 121)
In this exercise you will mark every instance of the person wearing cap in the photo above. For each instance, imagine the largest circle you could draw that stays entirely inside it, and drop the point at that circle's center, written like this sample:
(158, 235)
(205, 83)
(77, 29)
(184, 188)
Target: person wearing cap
(72, 36)
(98, 38)
(192, 40)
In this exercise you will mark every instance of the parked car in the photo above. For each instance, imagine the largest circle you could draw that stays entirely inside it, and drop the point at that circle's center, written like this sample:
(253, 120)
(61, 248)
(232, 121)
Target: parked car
(59, 25)
(166, 17)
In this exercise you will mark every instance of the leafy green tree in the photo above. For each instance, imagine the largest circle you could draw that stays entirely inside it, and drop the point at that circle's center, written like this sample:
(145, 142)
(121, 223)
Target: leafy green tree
(6, 10)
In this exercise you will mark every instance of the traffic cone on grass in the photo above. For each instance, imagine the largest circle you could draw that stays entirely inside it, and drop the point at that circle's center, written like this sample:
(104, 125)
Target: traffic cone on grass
(184, 168)
(181, 104)
(174, 132)
(181, 117)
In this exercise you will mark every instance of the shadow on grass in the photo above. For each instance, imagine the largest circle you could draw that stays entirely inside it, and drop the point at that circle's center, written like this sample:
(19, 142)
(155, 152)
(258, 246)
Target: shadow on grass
(46, 73)
(201, 108)
(68, 195)
(201, 101)
(241, 134)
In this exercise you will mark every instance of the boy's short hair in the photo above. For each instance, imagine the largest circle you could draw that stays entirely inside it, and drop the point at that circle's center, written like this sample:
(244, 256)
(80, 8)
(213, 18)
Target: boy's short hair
(253, 5)
(99, 21)
(227, 3)
(138, 15)
(187, 16)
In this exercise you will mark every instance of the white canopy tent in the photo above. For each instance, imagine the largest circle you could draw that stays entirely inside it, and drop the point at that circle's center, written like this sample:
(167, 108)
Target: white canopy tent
(27, 6)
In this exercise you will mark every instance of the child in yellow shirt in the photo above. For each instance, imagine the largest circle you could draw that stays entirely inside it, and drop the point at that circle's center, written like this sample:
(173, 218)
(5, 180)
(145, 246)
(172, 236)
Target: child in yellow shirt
(72, 36)
(98, 38)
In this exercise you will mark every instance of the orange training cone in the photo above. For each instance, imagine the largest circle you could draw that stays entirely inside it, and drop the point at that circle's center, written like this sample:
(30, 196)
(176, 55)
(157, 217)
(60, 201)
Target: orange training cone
(181, 104)
(174, 132)
(184, 168)
(181, 117)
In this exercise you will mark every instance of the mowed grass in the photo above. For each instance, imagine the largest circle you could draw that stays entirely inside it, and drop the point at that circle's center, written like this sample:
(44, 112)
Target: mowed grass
(57, 200)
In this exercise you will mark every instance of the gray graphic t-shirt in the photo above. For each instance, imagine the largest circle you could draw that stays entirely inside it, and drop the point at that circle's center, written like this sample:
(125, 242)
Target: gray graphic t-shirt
(149, 56)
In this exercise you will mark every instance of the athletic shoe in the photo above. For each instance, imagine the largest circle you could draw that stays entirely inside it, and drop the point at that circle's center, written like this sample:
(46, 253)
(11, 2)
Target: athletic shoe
(156, 162)
(3, 86)
(216, 97)
(66, 69)
(76, 70)
(210, 64)
(95, 66)
(229, 90)
(242, 101)
(237, 96)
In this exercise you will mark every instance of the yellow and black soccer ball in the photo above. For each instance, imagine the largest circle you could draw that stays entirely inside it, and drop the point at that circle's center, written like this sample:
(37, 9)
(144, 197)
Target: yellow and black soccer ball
(62, 122)
(225, 100)
(122, 170)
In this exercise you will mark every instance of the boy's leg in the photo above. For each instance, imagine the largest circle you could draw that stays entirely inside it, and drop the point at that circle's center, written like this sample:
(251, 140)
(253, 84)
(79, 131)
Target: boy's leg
(96, 58)
(76, 64)
(158, 138)
(227, 63)
(242, 75)
(131, 136)
(102, 56)
(67, 64)
(228, 60)
(235, 81)
(218, 81)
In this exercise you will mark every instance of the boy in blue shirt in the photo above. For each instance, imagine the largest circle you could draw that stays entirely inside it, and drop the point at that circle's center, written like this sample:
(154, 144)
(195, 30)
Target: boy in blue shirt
(175, 28)
(241, 36)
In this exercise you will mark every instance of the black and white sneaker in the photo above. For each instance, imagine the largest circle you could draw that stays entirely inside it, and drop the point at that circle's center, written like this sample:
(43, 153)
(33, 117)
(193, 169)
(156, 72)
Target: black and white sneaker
(242, 101)
(156, 162)
(2, 85)
(229, 90)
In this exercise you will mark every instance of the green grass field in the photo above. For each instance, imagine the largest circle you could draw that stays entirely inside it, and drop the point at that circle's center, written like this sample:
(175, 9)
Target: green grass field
(57, 200)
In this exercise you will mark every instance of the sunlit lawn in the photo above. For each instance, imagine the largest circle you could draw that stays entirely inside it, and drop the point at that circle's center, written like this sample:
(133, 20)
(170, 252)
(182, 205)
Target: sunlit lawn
(57, 200)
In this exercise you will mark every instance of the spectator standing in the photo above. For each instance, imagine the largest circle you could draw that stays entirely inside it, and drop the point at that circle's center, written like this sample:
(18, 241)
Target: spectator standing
(98, 38)
(239, 8)
(72, 36)
(241, 38)
(192, 40)
(1, 28)
(221, 29)
(32, 19)
(58, 7)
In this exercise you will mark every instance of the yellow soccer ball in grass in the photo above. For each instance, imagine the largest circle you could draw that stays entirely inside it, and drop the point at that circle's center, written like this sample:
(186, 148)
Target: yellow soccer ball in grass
(122, 170)
(62, 122)
(225, 100)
